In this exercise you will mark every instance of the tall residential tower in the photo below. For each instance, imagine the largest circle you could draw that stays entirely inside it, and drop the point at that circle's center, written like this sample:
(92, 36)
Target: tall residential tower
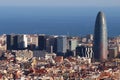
(100, 47)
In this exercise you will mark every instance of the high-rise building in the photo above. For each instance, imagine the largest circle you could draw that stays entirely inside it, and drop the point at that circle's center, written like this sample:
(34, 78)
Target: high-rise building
(84, 51)
(72, 44)
(51, 44)
(61, 44)
(12, 42)
(32, 41)
(15, 42)
(9, 42)
(22, 41)
(100, 47)
(42, 42)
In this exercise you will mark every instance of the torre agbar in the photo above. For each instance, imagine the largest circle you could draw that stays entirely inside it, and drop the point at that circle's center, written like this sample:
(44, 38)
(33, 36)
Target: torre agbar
(100, 47)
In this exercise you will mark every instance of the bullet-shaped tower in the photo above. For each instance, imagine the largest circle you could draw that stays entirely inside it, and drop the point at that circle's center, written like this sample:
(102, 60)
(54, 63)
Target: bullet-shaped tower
(100, 47)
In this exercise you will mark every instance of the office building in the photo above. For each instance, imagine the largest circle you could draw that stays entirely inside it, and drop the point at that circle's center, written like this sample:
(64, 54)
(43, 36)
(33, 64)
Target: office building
(22, 41)
(42, 42)
(84, 51)
(12, 42)
(100, 46)
(32, 41)
(73, 44)
(61, 44)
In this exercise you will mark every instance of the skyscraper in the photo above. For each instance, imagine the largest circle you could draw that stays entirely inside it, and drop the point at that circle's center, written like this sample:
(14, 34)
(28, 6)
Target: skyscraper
(100, 47)
(22, 41)
(12, 42)
(62, 44)
(42, 42)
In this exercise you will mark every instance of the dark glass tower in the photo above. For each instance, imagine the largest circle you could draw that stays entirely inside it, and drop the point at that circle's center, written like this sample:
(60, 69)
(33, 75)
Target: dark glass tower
(12, 42)
(42, 42)
(100, 38)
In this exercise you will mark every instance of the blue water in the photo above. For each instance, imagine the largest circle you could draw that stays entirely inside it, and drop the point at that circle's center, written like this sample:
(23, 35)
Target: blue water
(59, 20)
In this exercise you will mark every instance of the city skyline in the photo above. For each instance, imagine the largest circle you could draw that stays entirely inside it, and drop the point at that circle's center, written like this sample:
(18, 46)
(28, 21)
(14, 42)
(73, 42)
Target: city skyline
(59, 40)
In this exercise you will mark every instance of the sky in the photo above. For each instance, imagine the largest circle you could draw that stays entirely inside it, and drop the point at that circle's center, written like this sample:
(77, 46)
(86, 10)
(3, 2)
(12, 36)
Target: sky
(56, 16)
(61, 3)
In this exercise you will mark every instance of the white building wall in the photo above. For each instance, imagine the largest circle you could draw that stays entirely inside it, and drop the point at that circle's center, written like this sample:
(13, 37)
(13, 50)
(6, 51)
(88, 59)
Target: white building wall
(25, 40)
(73, 44)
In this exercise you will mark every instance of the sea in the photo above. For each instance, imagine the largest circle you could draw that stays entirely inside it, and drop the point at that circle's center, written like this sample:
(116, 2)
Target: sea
(76, 21)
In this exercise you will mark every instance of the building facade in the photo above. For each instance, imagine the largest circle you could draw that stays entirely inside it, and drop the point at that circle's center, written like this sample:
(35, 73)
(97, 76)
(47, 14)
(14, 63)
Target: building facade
(100, 45)
(22, 41)
(84, 51)
(42, 42)
(61, 44)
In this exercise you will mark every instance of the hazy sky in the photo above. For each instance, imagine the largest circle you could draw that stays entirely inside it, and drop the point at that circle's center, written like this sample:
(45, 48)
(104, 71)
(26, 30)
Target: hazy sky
(61, 3)
(55, 16)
